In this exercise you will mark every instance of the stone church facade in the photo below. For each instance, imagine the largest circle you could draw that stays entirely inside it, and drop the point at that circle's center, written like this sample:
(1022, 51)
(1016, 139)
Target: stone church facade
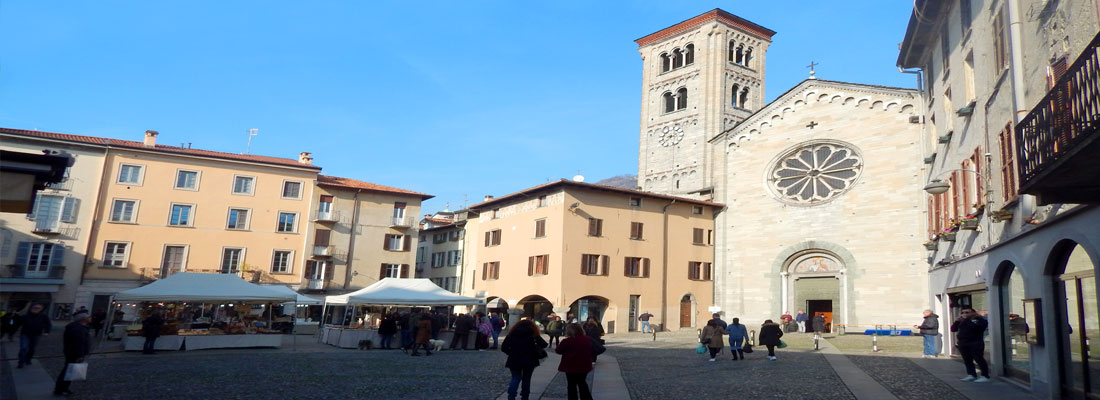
(822, 186)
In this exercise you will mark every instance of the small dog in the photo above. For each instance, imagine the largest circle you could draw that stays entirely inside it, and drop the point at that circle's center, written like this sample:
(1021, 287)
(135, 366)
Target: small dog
(437, 345)
(366, 344)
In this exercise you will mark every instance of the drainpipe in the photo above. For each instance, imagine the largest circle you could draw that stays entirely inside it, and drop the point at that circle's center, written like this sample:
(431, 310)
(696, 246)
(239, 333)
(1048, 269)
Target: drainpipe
(351, 238)
(664, 267)
(1019, 100)
(100, 194)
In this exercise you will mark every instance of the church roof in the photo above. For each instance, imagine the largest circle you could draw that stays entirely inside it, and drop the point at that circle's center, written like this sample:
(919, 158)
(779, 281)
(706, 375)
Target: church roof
(771, 108)
(716, 14)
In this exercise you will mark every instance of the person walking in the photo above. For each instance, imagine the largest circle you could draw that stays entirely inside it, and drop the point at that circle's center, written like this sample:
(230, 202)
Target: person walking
(423, 334)
(970, 333)
(463, 325)
(437, 324)
(645, 321)
(484, 331)
(769, 335)
(34, 325)
(594, 331)
(711, 336)
(555, 328)
(930, 329)
(576, 356)
(386, 329)
(819, 323)
(717, 318)
(498, 325)
(407, 324)
(738, 333)
(75, 345)
(150, 328)
(522, 346)
(9, 324)
(801, 319)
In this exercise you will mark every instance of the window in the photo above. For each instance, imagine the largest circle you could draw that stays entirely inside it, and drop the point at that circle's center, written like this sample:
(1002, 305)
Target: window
(965, 15)
(181, 215)
(50, 210)
(439, 238)
(1000, 44)
(591, 264)
(540, 228)
(968, 74)
(666, 62)
(281, 261)
(123, 210)
(538, 265)
(697, 210)
(321, 237)
(681, 98)
(1008, 164)
(454, 257)
(114, 254)
(636, 230)
(37, 258)
(238, 219)
(490, 270)
(394, 271)
(945, 50)
(636, 267)
(744, 97)
(977, 161)
(324, 208)
(455, 235)
(748, 57)
(399, 210)
(187, 180)
(677, 58)
(243, 184)
(736, 95)
(739, 55)
(396, 243)
(542, 201)
(173, 261)
(732, 50)
(292, 190)
(669, 101)
(1055, 72)
(635, 202)
(689, 54)
(815, 172)
(595, 227)
(287, 222)
(232, 257)
(492, 238)
(496, 212)
(129, 174)
(698, 236)
(699, 271)
(438, 259)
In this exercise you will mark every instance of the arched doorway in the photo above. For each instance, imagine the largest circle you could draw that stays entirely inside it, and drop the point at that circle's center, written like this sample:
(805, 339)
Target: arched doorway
(1074, 277)
(590, 306)
(814, 282)
(1016, 324)
(687, 311)
(536, 308)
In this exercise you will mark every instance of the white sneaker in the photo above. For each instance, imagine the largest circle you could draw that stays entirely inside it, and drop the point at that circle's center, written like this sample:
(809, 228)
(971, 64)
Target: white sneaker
(711, 360)
(968, 378)
(771, 358)
(981, 379)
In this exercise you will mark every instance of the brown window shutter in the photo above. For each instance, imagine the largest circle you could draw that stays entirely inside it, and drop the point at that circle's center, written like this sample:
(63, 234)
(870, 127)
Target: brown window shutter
(399, 205)
(606, 265)
(404, 270)
(487, 236)
(584, 264)
(546, 264)
(697, 235)
(626, 266)
(408, 242)
(634, 230)
(382, 272)
(326, 198)
(385, 242)
(979, 190)
(311, 269)
(591, 227)
(640, 230)
(707, 272)
(321, 238)
(599, 227)
(530, 266)
(691, 270)
(645, 267)
(330, 271)
(484, 271)
(497, 238)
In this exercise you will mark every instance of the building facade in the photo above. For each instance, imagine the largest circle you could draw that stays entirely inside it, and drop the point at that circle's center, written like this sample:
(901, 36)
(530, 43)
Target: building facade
(1010, 91)
(596, 251)
(440, 249)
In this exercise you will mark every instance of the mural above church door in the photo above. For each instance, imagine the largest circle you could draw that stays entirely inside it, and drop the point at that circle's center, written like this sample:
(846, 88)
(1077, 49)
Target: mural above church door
(816, 265)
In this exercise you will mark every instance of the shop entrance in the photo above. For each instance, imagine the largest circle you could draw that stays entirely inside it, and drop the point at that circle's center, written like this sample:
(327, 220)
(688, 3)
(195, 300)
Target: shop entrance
(1078, 322)
(632, 313)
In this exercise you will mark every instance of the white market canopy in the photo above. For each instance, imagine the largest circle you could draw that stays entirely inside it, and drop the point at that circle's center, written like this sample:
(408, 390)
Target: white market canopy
(404, 292)
(301, 299)
(190, 286)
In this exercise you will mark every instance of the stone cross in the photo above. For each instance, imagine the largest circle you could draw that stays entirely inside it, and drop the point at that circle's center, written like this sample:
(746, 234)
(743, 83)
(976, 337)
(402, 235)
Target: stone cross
(812, 125)
(811, 67)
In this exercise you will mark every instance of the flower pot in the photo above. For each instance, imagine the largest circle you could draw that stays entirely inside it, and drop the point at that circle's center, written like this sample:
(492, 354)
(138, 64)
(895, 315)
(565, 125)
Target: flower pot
(931, 246)
(948, 237)
(969, 225)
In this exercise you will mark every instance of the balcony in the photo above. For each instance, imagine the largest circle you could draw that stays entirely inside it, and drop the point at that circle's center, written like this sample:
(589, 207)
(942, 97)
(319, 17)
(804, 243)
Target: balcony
(327, 216)
(403, 222)
(322, 251)
(314, 284)
(66, 184)
(67, 231)
(21, 272)
(1057, 143)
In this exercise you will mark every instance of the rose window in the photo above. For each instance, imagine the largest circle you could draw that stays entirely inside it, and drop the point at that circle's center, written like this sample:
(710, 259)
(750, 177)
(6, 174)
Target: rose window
(815, 172)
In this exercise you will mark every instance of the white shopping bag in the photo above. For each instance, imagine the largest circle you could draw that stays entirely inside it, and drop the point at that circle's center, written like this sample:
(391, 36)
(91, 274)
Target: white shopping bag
(77, 372)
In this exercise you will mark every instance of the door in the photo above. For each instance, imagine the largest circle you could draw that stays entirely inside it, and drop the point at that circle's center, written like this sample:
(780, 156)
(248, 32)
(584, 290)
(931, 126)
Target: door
(685, 312)
(633, 313)
(1078, 357)
(173, 260)
(823, 307)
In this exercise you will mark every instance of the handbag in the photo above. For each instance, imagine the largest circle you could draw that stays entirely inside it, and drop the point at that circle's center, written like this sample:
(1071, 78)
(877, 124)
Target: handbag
(700, 349)
(77, 372)
(782, 344)
(539, 351)
(597, 347)
(704, 341)
(747, 348)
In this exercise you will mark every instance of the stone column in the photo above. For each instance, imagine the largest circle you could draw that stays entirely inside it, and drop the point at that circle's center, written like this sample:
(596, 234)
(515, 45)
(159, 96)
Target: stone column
(513, 317)
(783, 290)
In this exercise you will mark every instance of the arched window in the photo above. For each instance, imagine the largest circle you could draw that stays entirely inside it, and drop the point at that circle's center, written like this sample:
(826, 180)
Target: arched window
(666, 63)
(732, 50)
(670, 102)
(744, 98)
(689, 54)
(736, 93)
(681, 98)
(748, 57)
(677, 59)
(739, 57)
(1017, 324)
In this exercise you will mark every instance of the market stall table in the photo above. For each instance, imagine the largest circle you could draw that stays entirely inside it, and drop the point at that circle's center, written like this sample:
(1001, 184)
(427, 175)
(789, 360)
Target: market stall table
(137, 343)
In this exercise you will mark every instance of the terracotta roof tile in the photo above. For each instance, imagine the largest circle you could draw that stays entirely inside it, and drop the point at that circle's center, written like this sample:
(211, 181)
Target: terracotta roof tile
(591, 186)
(712, 15)
(100, 141)
(326, 180)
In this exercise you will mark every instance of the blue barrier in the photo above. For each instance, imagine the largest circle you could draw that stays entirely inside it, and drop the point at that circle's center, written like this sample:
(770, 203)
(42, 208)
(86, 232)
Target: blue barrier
(888, 332)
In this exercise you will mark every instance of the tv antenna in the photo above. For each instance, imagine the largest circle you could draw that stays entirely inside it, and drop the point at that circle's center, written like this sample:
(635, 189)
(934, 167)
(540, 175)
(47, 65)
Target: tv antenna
(251, 132)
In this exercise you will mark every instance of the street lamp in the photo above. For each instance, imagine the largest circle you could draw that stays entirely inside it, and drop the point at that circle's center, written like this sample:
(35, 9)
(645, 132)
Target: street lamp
(937, 186)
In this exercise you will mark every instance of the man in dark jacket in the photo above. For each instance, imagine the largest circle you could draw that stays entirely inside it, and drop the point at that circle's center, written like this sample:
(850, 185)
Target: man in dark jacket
(930, 329)
(151, 330)
(718, 320)
(437, 324)
(819, 323)
(970, 339)
(35, 324)
(76, 346)
(463, 325)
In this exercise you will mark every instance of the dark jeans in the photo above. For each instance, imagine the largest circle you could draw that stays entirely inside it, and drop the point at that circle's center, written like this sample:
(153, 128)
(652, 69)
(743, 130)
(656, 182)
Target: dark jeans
(520, 376)
(62, 385)
(555, 338)
(26, 348)
(496, 337)
(971, 353)
(416, 348)
(407, 338)
(386, 339)
(150, 345)
(460, 338)
(575, 382)
(771, 350)
(714, 351)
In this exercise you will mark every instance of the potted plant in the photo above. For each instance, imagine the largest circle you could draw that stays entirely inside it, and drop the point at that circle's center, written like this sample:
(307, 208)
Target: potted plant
(969, 222)
(931, 245)
(948, 235)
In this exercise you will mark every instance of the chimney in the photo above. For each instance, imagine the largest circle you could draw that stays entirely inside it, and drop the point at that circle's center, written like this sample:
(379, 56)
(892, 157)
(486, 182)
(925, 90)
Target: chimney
(488, 197)
(151, 138)
(305, 157)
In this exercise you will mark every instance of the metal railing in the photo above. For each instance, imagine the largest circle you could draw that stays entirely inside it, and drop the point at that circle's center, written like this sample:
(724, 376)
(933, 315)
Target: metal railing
(20, 272)
(65, 184)
(1068, 114)
(403, 221)
(328, 216)
(322, 250)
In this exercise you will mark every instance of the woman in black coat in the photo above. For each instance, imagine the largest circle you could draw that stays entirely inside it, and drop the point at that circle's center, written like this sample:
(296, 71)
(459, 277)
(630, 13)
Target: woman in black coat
(819, 323)
(386, 329)
(522, 347)
(769, 336)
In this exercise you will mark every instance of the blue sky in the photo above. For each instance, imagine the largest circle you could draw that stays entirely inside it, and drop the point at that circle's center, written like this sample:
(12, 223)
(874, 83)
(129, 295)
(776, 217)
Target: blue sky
(455, 99)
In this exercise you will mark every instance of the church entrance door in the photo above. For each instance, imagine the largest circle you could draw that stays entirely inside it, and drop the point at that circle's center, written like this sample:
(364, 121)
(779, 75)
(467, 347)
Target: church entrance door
(825, 307)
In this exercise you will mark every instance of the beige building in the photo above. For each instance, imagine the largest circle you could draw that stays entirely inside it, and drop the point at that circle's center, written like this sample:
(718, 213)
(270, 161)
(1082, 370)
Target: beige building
(1011, 143)
(43, 252)
(360, 233)
(597, 251)
(440, 249)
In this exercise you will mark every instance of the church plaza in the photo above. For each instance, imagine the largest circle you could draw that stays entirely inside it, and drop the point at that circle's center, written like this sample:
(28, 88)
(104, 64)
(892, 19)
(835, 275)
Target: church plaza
(635, 367)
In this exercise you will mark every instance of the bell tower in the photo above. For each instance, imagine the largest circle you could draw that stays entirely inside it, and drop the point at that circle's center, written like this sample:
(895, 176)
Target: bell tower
(700, 77)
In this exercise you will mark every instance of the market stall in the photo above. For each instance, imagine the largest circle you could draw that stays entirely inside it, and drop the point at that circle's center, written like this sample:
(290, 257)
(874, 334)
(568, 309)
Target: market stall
(207, 311)
(398, 292)
(302, 326)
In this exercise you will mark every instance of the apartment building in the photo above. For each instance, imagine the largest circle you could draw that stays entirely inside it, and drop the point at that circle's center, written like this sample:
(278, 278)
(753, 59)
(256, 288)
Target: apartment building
(1010, 93)
(360, 232)
(439, 251)
(596, 251)
(43, 251)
